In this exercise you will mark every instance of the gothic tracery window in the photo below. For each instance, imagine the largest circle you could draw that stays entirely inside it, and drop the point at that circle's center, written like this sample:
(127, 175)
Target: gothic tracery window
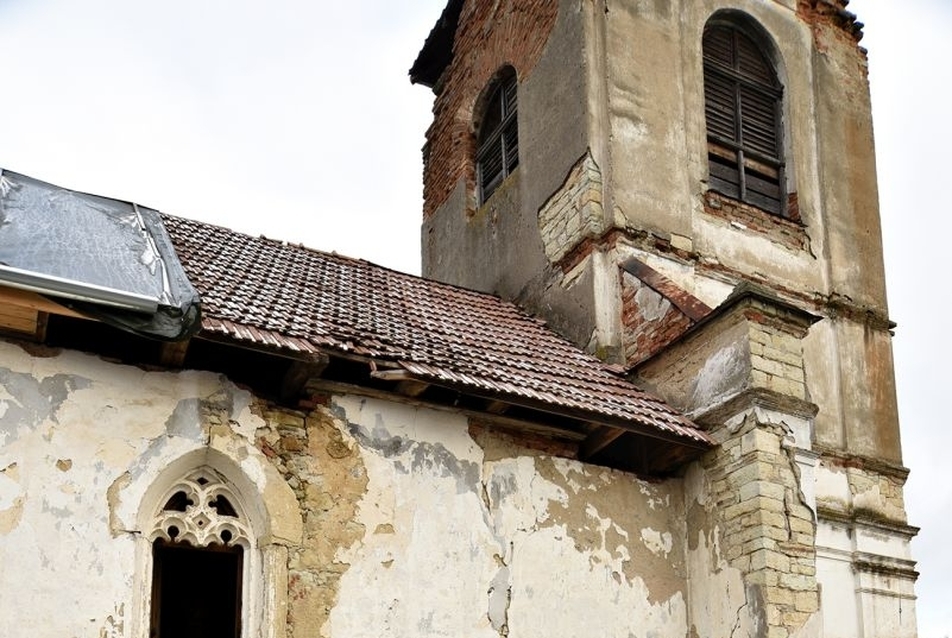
(743, 111)
(199, 540)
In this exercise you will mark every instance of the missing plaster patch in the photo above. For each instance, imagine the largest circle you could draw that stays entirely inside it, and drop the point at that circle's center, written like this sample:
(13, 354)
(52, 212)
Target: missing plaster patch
(658, 543)
(12, 498)
(33, 401)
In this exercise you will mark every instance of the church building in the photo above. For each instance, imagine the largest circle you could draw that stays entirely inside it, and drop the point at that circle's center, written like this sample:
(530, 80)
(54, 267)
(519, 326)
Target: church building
(644, 387)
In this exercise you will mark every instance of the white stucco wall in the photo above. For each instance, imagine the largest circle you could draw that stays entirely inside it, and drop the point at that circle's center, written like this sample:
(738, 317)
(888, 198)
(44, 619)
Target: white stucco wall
(460, 536)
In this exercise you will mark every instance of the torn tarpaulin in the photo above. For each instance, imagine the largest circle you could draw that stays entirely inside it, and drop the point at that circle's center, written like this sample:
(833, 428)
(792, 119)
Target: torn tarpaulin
(105, 258)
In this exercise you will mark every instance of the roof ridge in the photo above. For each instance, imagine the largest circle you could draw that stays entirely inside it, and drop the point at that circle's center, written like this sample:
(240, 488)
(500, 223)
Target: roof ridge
(356, 260)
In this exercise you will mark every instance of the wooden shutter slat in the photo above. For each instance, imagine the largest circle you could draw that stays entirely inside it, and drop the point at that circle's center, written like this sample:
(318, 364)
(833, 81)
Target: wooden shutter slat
(751, 61)
(717, 46)
(720, 106)
(498, 144)
(764, 187)
(741, 87)
(511, 139)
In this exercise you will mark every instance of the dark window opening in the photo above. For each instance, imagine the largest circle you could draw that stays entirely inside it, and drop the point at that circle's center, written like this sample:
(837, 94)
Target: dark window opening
(497, 152)
(743, 111)
(196, 592)
(223, 507)
(179, 502)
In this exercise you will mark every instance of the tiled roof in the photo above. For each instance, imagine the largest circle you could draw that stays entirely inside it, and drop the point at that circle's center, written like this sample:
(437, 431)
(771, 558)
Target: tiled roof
(269, 293)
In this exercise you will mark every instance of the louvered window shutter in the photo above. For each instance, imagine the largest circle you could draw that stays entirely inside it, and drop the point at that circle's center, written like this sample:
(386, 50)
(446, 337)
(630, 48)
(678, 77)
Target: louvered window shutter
(742, 108)
(497, 152)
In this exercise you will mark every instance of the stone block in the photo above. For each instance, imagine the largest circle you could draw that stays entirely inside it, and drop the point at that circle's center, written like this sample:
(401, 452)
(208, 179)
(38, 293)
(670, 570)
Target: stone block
(766, 559)
(764, 489)
(794, 619)
(759, 543)
(760, 441)
(807, 601)
(779, 596)
(798, 582)
(774, 519)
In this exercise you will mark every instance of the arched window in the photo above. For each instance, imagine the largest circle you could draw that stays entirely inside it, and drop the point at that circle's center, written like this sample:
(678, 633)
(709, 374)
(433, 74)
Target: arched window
(497, 153)
(199, 540)
(743, 111)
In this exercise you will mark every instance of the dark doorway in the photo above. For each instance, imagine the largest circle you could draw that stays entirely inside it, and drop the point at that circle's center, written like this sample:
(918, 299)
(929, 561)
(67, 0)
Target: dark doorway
(196, 592)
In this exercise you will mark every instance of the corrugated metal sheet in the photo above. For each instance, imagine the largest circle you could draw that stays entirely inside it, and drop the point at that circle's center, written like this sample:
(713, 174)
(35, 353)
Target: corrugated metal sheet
(277, 295)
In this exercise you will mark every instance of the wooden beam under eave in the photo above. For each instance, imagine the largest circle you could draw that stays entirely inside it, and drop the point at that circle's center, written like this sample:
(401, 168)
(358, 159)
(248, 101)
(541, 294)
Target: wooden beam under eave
(392, 375)
(42, 320)
(173, 353)
(663, 459)
(496, 407)
(33, 301)
(406, 383)
(299, 372)
(412, 388)
(598, 440)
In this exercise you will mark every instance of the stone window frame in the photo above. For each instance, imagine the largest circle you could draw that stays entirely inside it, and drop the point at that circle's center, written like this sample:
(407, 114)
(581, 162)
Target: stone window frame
(727, 151)
(202, 512)
(497, 133)
(273, 525)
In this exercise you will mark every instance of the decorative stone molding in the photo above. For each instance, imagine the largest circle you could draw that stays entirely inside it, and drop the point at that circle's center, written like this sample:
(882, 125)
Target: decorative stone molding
(202, 510)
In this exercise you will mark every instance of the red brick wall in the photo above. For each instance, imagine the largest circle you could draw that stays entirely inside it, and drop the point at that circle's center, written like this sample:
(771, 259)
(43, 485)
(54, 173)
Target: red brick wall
(831, 13)
(490, 35)
(787, 232)
(644, 336)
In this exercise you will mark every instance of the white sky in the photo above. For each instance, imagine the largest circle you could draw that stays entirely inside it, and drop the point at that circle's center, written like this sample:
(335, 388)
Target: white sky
(295, 119)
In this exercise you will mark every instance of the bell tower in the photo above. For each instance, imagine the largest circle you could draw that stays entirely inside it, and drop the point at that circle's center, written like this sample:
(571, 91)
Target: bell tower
(687, 188)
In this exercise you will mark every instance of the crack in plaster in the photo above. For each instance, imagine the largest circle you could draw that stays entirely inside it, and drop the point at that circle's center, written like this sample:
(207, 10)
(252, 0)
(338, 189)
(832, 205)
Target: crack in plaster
(737, 616)
(500, 595)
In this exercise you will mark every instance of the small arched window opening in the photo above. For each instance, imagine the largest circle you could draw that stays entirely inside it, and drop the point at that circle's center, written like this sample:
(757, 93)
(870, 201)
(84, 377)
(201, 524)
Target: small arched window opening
(497, 153)
(199, 540)
(743, 111)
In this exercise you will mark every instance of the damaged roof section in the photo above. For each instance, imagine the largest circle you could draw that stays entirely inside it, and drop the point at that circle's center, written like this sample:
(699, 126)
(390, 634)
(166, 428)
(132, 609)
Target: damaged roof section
(437, 51)
(270, 294)
(104, 258)
(296, 323)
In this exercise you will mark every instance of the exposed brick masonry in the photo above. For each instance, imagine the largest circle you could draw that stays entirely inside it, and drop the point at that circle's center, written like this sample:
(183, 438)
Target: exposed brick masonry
(832, 13)
(328, 478)
(490, 36)
(650, 321)
(769, 534)
(776, 356)
(769, 531)
(786, 232)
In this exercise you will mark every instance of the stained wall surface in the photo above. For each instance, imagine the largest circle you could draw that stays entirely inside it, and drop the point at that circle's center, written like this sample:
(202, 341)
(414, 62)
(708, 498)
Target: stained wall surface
(369, 517)
(613, 165)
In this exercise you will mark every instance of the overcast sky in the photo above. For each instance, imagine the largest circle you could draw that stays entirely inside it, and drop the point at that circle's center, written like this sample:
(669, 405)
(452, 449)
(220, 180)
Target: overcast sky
(295, 119)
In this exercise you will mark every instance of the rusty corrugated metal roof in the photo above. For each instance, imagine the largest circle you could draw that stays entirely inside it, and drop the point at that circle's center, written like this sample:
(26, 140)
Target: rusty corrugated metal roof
(270, 293)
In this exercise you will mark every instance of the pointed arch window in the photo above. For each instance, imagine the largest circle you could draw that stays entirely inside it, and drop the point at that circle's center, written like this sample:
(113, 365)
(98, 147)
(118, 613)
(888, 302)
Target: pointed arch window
(199, 540)
(743, 112)
(497, 153)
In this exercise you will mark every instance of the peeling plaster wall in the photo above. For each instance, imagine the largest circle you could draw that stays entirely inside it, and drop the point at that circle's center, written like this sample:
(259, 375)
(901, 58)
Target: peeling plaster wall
(501, 540)
(372, 518)
(71, 428)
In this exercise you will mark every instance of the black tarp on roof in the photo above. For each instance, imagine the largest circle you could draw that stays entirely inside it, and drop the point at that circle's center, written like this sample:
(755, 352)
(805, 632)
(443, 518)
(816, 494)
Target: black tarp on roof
(105, 258)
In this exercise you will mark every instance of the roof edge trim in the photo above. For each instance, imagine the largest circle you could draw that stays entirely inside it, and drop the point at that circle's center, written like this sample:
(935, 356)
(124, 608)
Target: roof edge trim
(72, 289)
